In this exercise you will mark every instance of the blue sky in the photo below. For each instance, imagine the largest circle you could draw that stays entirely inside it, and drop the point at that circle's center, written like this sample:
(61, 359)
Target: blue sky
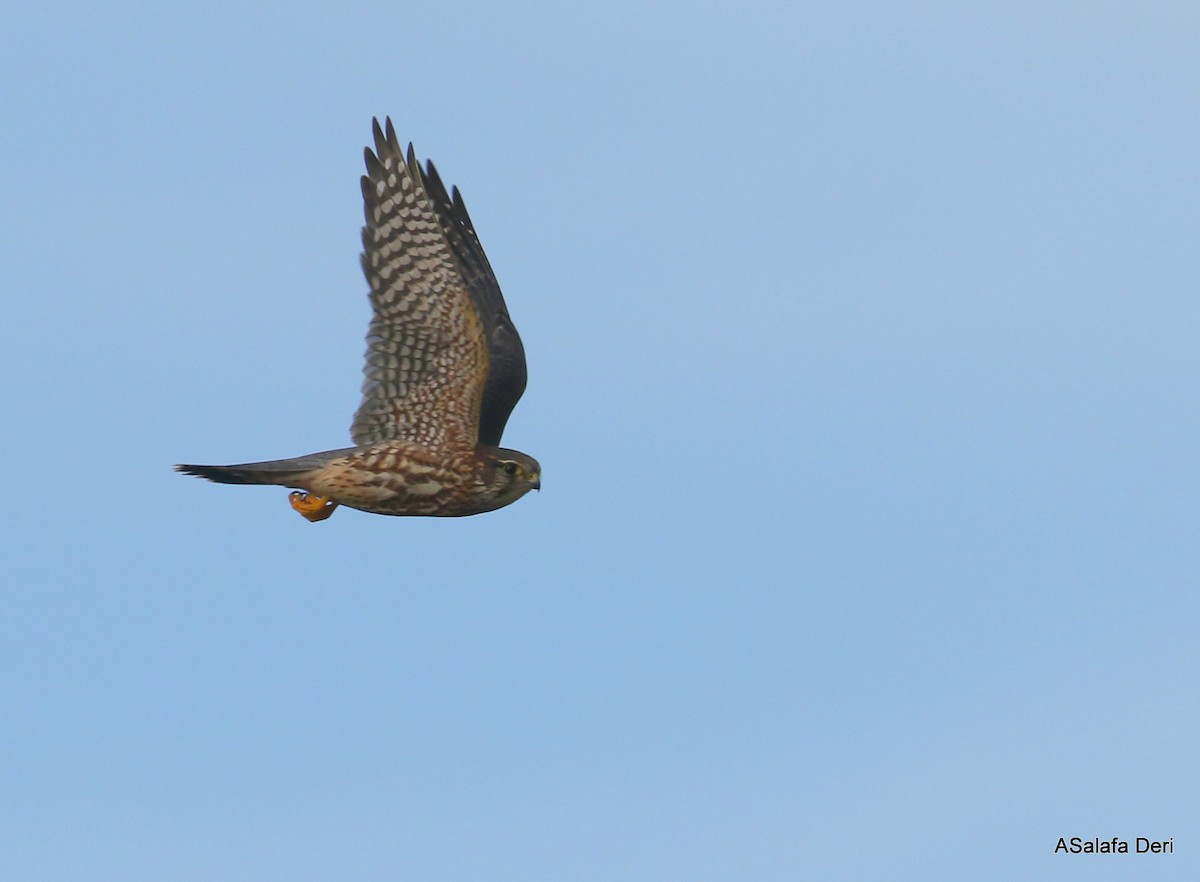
(864, 376)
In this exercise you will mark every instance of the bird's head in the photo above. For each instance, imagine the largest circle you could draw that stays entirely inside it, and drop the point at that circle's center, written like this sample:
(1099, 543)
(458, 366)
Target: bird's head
(509, 474)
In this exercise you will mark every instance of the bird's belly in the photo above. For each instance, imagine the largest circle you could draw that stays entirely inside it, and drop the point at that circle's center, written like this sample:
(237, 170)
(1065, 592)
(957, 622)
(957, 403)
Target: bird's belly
(387, 483)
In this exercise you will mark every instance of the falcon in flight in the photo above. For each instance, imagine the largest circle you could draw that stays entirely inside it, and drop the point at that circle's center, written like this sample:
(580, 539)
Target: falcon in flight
(445, 366)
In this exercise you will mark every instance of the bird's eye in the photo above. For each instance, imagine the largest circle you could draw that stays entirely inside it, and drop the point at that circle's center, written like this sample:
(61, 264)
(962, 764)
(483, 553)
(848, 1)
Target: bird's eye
(510, 468)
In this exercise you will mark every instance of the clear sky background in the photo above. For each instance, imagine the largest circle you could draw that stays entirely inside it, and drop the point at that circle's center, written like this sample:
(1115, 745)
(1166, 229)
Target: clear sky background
(864, 375)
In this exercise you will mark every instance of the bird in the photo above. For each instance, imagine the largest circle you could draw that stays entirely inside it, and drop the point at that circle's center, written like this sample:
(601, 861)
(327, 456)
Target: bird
(444, 368)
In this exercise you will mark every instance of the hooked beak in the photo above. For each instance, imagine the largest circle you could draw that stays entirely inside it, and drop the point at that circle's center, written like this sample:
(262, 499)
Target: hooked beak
(536, 482)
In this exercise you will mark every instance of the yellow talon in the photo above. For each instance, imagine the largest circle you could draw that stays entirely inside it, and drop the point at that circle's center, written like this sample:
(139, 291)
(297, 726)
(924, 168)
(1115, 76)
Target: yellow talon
(314, 508)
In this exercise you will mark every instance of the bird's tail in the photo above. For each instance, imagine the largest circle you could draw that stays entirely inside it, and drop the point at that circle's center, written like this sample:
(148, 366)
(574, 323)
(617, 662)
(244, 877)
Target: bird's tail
(250, 473)
(284, 472)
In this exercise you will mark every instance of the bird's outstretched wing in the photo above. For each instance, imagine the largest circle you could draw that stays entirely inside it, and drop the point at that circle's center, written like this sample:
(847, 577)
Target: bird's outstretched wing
(427, 352)
(506, 356)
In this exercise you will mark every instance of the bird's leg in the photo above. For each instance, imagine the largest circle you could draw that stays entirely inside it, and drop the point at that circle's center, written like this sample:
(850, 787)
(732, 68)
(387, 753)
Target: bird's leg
(314, 508)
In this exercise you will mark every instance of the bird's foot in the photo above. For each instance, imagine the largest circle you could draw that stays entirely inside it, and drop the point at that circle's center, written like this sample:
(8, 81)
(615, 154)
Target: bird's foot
(314, 508)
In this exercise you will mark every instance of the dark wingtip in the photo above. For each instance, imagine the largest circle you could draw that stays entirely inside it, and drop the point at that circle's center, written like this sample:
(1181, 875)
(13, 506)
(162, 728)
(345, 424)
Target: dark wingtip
(378, 137)
(371, 161)
(386, 142)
